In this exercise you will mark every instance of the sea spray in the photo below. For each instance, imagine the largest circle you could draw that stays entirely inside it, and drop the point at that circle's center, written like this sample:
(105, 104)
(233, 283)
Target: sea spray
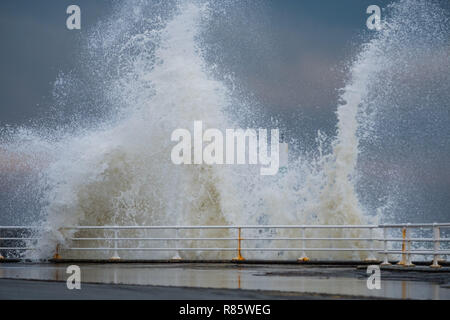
(122, 175)
(152, 79)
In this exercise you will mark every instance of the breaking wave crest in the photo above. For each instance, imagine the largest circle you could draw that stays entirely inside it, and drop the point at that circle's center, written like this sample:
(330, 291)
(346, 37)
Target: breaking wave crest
(152, 78)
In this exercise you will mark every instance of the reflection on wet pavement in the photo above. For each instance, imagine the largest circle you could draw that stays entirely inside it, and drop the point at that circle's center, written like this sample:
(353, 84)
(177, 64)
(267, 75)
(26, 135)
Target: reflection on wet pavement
(287, 278)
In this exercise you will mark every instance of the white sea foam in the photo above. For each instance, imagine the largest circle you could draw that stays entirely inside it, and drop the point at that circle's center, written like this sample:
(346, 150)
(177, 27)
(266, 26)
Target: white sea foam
(120, 173)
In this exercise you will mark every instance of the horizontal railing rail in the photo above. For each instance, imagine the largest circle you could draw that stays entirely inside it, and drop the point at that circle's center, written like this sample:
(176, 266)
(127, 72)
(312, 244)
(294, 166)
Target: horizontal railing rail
(374, 243)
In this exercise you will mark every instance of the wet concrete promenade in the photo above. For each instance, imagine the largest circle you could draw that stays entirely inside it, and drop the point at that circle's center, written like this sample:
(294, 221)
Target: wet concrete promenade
(219, 281)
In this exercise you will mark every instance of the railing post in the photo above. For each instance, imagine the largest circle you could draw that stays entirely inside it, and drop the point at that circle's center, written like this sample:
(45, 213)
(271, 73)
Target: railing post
(371, 257)
(304, 257)
(408, 241)
(176, 257)
(116, 254)
(239, 256)
(385, 247)
(1, 257)
(436, 238)
(402, 262)
(57, 256)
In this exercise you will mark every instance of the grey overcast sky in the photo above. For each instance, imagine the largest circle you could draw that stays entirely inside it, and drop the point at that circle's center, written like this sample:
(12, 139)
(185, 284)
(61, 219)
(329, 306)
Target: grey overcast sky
(313, 37)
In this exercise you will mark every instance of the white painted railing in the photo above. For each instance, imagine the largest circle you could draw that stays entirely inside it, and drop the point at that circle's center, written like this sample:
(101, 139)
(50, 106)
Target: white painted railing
(377, 239)
(16, 239)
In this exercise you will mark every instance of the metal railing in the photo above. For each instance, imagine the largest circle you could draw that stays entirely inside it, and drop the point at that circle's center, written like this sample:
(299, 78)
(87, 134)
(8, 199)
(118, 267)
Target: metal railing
(407, 240)
(376, 240)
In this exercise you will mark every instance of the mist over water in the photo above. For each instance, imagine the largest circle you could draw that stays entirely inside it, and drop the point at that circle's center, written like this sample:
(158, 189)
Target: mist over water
(144, 74)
